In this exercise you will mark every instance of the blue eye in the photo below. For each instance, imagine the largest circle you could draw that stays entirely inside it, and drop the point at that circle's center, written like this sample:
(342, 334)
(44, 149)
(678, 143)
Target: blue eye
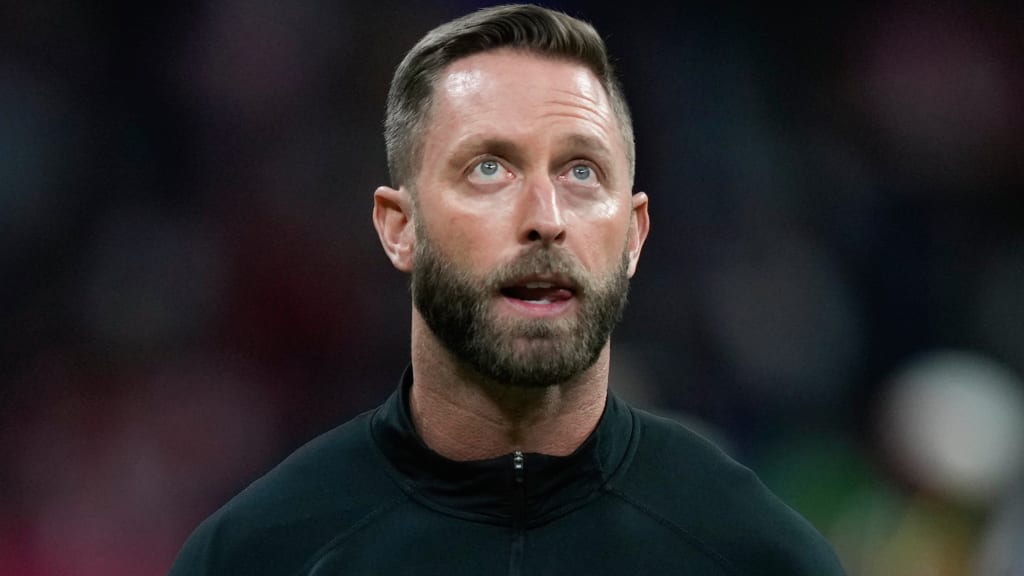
(583, 175)
(489, 167)
(581, 172)
(487, 171)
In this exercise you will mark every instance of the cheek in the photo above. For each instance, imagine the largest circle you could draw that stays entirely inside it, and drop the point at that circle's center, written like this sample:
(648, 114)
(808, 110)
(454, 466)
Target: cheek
(610, 210)
(465, 237)
(606, 211)
(602, 241)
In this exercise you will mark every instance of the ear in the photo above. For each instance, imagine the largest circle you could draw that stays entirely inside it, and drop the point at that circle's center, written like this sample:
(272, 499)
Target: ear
(393, 219)
(639, 226)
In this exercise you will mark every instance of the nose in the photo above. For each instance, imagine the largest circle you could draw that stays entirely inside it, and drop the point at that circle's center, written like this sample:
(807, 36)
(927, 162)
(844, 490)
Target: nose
(542, 215)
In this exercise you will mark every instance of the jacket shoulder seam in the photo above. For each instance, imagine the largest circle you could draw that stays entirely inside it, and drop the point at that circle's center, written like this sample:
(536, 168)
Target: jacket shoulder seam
(335, 542)
(683, 533)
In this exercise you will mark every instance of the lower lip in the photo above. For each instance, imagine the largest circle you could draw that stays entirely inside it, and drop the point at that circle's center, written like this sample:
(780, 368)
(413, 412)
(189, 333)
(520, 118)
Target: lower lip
(539, 309)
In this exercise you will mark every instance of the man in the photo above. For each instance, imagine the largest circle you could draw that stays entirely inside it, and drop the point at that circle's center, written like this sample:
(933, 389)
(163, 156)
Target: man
(502, 451)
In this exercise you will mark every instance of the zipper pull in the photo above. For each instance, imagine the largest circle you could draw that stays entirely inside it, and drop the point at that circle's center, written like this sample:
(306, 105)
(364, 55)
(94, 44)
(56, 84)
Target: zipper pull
(518, 463)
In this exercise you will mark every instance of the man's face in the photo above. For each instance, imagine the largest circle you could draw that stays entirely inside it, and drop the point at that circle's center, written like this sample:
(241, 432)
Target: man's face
(526, 228)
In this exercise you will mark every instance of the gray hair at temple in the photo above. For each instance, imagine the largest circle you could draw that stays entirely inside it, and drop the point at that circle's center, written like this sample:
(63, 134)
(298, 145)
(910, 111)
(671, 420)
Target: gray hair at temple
(526, 27)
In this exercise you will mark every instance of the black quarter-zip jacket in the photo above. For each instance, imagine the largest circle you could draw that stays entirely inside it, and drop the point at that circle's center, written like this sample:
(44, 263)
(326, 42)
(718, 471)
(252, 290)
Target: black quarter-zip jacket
(642, 495)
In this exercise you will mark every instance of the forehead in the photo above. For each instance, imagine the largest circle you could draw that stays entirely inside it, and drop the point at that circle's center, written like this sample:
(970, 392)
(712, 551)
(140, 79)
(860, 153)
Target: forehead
(521, 70)
(516, 91)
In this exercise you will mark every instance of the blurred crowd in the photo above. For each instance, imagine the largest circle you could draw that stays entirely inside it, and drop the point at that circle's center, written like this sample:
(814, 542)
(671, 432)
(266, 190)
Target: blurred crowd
(833, 289)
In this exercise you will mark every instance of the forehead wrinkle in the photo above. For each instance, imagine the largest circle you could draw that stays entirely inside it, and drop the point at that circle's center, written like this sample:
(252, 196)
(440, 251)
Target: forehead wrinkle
(588, 116)
(577, 100)
(594, 127)
(583, 89)
(586, 106)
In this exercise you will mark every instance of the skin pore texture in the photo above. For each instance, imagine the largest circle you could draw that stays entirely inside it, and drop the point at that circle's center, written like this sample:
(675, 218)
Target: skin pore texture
(521, 236)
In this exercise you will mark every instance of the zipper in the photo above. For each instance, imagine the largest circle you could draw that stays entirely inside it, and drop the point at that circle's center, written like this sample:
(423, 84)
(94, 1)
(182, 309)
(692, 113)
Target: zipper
(518, 465)
(519, 489)
(515, 565)
(519, 496)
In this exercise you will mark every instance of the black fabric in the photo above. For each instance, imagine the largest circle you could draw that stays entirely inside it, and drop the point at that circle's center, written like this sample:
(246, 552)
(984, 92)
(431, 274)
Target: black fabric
(642, 495)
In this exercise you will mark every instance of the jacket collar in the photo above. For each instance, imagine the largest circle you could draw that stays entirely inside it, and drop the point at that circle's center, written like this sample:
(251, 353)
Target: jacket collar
(493, 490)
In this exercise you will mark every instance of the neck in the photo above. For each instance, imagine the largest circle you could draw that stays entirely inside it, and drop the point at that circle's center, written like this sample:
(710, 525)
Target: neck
(463, 416)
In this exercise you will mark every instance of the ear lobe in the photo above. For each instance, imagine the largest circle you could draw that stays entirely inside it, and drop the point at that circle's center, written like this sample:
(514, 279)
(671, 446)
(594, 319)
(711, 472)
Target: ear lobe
(393, 219)
(639, 226)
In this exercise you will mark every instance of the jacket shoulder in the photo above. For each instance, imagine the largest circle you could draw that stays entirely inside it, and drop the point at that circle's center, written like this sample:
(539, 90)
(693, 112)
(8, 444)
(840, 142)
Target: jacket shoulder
(320, 492)
(718, 505)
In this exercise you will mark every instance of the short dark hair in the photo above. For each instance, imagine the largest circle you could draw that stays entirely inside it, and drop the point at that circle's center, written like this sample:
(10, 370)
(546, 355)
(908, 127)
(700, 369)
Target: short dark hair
(520, 26)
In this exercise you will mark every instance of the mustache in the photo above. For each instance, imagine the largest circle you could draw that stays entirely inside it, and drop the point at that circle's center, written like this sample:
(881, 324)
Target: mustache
(541, 261)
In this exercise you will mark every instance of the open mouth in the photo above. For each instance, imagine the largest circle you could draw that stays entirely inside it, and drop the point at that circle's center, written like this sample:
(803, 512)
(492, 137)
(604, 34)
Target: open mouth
(540, 291)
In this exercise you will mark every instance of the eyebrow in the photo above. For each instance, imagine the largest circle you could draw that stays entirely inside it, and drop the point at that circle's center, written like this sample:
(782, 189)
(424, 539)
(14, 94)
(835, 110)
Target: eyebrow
(474, 145)
(587, 142)
(510, 149)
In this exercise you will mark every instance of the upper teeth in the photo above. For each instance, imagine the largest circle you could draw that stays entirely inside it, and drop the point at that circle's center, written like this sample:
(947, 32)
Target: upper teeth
(539, 285)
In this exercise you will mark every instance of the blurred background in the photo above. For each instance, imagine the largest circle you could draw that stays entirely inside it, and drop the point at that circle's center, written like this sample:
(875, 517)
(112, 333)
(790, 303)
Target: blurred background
(833, 289)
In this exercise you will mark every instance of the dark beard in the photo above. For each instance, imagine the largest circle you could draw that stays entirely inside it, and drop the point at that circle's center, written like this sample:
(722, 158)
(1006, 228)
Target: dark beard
(522, 352)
